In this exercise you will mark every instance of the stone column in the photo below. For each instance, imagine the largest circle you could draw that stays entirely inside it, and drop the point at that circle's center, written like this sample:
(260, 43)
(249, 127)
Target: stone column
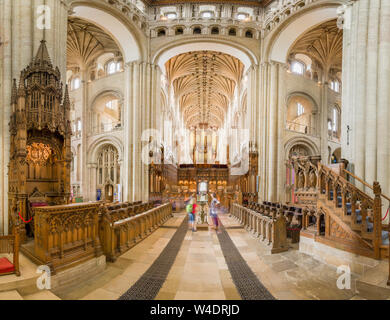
(273, 104)
(322, 124)
(143, 84)
(366, 90)
(20, 37)
(85, 191)
(281, 160)
(262, 133)
(92, 181)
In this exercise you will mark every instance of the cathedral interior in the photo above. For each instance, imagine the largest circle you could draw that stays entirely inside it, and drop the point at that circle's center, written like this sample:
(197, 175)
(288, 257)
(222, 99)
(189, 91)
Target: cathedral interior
(118, 113)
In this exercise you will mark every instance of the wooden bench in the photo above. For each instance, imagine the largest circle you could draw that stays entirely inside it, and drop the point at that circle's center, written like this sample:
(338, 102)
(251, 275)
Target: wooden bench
(10, 244)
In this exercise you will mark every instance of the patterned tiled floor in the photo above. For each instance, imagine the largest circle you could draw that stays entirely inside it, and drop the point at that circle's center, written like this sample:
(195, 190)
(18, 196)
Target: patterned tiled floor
(200, 272)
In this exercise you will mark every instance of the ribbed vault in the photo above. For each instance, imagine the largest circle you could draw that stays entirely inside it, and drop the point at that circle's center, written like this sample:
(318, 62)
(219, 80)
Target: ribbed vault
(323, 44)
(86, 42)
(204, 83)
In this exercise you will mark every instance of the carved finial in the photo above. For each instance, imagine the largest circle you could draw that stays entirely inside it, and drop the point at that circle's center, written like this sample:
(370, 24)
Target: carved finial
(14, 95)
(66, 98)
(42, 56)
(22, 89)
(377, 188)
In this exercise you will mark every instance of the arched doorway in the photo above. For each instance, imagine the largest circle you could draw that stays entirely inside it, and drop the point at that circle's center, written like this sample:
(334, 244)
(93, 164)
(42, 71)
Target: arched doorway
(109, 193)
(336, 156)
(297, 150)
(108, 174)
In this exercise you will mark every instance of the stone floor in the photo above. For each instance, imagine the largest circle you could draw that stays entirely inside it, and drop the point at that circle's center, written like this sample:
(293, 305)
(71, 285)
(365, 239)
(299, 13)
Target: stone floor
(200, 271)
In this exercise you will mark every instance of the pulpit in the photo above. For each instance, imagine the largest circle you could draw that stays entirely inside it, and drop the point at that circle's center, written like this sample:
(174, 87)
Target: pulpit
(40, 132)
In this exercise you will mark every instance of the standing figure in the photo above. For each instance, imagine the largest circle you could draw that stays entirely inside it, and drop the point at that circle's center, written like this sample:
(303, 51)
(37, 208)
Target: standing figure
(214, 204)
(191, 211)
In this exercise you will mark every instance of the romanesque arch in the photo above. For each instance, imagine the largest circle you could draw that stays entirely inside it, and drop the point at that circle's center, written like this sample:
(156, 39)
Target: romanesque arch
(165, 53)
(305, 143)
(96, 145)
(284, 37)
(307, 121)
(128, 37)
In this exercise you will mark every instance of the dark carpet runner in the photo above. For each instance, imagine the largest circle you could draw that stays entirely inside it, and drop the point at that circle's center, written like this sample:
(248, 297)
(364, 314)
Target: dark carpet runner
(148, 286)
(247, 283)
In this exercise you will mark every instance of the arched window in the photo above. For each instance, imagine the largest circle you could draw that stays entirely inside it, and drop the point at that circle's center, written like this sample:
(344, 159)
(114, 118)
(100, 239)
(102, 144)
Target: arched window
(112, 104)
(335, 85)
(171, 15)
(242, 16)
(161, 33)
(76, 83)
(335, 119)
(300, 115)
(179, 31)
(79, 125)
(300, 109)
(232, 32)
(207, 14)
(114, 67)
(35, 100)
(215, 30)
(108, 168)
(249, 34)
(298, 67)
(197, 30)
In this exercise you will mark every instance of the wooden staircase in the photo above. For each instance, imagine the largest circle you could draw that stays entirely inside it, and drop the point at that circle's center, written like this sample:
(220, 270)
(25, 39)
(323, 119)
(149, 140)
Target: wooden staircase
(344, 216)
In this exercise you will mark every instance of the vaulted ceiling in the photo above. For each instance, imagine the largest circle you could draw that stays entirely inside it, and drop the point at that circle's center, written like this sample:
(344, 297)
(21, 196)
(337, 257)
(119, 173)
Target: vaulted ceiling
(204, 83)
(323, 44)
(87, 42)
(240, 2)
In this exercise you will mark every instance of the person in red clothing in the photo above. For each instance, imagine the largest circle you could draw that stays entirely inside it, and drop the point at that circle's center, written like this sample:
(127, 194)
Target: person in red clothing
(191, 209)
(194, 212)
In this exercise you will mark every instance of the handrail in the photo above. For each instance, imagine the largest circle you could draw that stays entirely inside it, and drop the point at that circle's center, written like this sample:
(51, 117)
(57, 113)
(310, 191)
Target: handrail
(365, 183)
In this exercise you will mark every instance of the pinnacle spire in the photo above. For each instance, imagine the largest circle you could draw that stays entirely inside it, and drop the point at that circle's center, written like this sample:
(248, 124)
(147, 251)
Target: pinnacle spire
(66, 98)
(21, 89)
(42, 54)
(14, 94)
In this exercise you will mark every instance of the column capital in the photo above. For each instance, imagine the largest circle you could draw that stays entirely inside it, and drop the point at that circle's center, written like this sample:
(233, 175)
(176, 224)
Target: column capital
(92, 165)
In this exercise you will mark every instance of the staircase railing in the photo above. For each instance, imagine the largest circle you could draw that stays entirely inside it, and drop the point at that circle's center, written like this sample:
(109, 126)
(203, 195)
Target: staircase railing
(354, 207)
(358, 208)
(364, 182)
(383, 196)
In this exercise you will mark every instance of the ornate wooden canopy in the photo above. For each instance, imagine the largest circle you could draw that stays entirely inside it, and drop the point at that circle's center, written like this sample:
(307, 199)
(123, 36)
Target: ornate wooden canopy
(40, 155)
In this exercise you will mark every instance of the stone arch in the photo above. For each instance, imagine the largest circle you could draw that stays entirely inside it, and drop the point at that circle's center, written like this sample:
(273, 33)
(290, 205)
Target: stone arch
(305, 142)
(106, 91)
(119, 27)
(306, 123)
(303, 95)
(94, 148)
(336, 152)
(197, 29)
(173, 49)
(287, 33)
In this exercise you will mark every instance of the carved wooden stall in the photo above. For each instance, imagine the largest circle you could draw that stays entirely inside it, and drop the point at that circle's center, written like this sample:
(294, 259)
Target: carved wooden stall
(269, 226)
(121, 228)
(68, 235)
(65, 235)
(10, 245)
(40, 155)
(244, 176)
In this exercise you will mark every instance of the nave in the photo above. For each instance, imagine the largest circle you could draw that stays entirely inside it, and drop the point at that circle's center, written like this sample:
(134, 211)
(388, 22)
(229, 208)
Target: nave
(200, 271)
